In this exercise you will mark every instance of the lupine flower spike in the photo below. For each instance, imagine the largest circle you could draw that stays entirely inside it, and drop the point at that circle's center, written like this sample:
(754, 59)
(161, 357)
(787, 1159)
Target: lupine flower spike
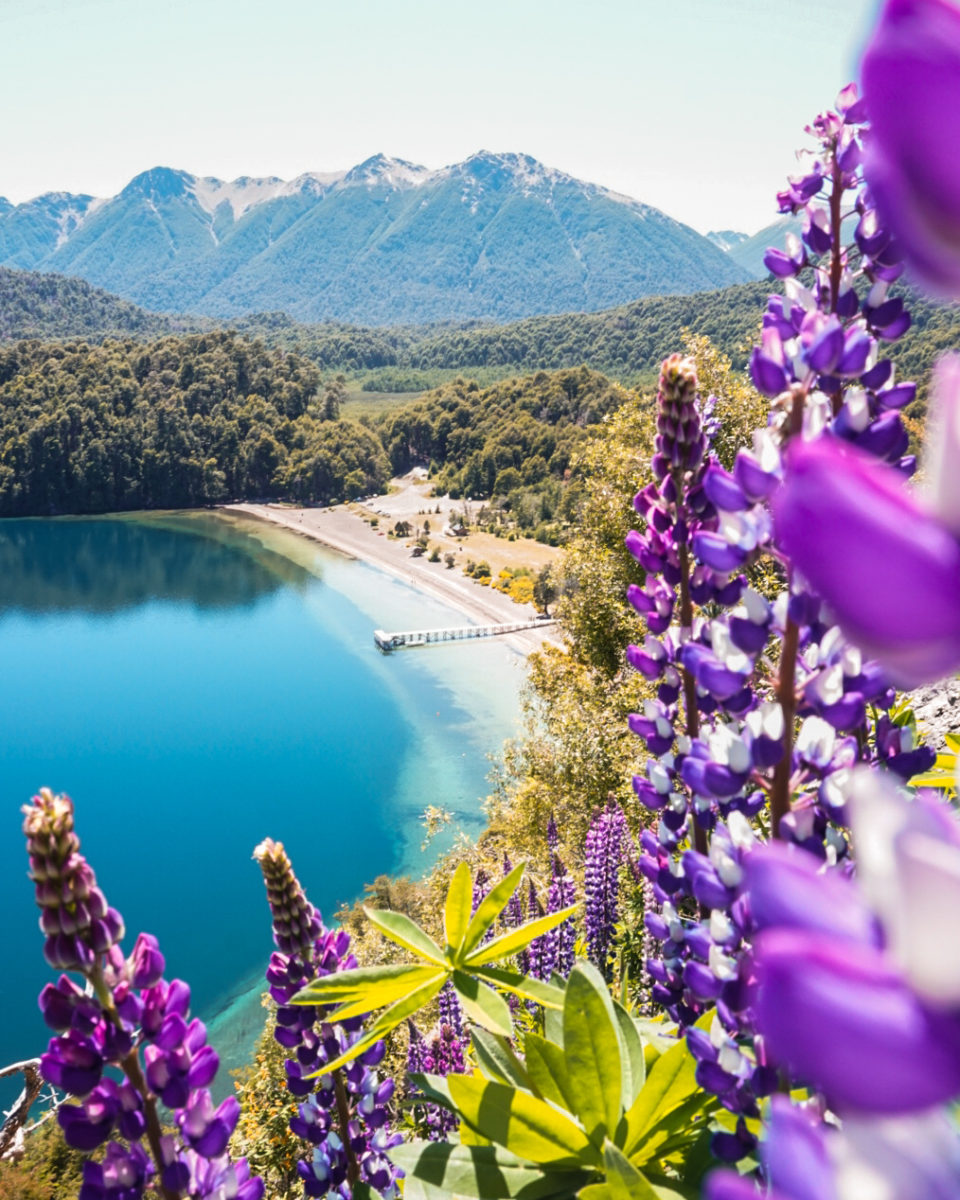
(341, 1115)
(126, 1017)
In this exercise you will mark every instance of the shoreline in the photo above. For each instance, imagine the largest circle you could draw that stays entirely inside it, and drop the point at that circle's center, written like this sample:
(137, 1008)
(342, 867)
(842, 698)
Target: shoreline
(345, 532)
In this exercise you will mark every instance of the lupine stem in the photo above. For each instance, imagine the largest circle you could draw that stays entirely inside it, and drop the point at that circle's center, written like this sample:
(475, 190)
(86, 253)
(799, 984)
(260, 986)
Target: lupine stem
(692, 714)
(343, 1113)
(786, 695)
(836, 251)
(134, 1072)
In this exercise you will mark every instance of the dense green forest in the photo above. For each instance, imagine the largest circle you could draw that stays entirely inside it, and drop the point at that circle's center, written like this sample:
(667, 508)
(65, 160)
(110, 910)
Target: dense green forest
(33, 305)
(513, 442)
(625, 343)
(178, 422)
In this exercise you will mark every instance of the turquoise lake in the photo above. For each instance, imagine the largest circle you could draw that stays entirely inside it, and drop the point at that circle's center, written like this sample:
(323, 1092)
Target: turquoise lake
(197, 683)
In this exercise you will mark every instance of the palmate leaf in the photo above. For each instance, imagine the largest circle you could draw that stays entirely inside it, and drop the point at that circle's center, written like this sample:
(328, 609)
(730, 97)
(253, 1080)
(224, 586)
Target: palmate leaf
(383, 993)
(518, 939)
(482, 1004)
(524, 986)
(439, 1169)
(594, 1051)
(520, 1123)
(456, 911)
(388, 1020)
(341, 986)
(489, 908)
(406, 933)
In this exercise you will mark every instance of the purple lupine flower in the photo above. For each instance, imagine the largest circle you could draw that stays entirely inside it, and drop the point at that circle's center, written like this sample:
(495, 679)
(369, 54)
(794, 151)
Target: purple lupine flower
(440, 1053)
(887, 566)
(450, 1011)
(603, 857)
(340, 1154)
(901, 1158)
(911, 80)
(821, 963)
(738, 741)
(513, 917)
(131, 1020)
(480, 888)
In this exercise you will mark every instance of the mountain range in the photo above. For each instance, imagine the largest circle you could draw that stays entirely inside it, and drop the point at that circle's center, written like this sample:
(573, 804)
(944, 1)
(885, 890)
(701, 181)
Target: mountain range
(497, 236)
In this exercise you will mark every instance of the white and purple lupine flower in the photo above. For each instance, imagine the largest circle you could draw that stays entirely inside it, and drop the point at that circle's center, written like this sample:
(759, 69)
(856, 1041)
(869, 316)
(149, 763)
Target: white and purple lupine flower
(858, 987)
(911, 84)
(129, 1019)
(895, 1158)
(885, 559)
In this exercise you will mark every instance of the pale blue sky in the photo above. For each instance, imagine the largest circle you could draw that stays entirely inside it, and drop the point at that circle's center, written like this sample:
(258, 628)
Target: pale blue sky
(694, 106)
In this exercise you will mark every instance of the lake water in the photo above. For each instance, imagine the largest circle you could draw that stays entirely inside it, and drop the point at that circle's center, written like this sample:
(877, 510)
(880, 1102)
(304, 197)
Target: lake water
(197, 683)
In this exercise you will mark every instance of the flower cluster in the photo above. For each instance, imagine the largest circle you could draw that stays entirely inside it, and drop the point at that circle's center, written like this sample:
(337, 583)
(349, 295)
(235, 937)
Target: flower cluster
(857, 988)
(554, 950)
(126, 1016)
(343, 1115)
(764, 709)
(604, 854)
(858, 996)
(439, 1053)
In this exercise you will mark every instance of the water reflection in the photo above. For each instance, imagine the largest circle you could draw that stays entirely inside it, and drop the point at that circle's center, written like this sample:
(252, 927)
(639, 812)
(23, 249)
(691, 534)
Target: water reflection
(106, 565)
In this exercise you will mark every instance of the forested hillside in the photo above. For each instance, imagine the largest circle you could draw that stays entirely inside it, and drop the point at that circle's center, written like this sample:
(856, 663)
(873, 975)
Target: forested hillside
(33, 305)
(173, 423)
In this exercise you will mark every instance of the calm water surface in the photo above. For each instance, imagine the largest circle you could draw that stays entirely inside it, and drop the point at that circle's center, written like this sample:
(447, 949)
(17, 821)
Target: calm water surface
(196, 684)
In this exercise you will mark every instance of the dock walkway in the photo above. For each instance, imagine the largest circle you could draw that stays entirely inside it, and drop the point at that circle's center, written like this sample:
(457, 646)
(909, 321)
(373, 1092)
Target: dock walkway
(424, 637)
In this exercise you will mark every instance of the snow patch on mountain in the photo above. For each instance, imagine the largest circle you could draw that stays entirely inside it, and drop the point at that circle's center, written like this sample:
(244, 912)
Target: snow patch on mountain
(249, 192)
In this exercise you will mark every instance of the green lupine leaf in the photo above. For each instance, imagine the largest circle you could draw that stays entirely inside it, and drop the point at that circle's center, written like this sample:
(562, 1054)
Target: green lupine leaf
(676, 1131)
(489, 908)
(456, 911)
(674, 1189)
(482, 1004)
(497, 1060)
(634, 1063)
(594, 1050)
(406, 933)
(363, 1191)
(524, 986)
(479, 1171)
(553, 1023)
(661, 1035)
(670, 1081)
(385, 992)
(623, 1179)
(547, 1067)
(388, 1020)
(522, 1124)
(434, 1088)
(342, 986)
(517, 939)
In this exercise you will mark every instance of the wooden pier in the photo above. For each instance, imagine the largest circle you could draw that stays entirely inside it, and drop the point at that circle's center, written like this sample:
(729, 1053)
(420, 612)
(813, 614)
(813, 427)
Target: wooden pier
(427, 637)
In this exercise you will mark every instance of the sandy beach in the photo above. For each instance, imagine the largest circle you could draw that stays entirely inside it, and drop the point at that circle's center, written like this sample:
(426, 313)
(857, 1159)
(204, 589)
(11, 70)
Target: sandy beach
(343, 529)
